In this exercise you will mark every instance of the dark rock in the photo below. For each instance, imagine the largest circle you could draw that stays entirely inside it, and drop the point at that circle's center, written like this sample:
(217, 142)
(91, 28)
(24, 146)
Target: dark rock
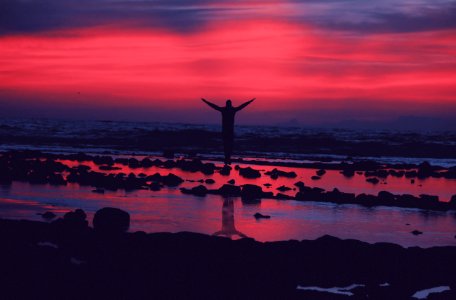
(146, 163)
(416, 232)
(373, 180)
(108, 168)
(275, 173)
(310, 194)
(367, 200)
(249, 173)
(412, 181)
(429, 199)
(386, 196)
(452, 202)
(155, 178)
(73, 220)
(133, 163)
(229, 190)
(225, 170)
(172, 180)
(199, 190)
(260, 216)
(267, 185)
(425, 170)
(209, 181)
(208, 168)
(48, 215)
(337, 196)
(281, 196)
(315, 177)
(299, 184)
(283, 188)
(111, 220)
(154, 186)
(348, 172)
(251, 192)
(231, 181)
(321, 172)
(77, 216)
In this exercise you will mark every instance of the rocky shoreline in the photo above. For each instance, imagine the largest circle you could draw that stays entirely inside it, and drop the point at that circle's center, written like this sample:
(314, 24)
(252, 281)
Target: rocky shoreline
(66, 259)
(43, 168)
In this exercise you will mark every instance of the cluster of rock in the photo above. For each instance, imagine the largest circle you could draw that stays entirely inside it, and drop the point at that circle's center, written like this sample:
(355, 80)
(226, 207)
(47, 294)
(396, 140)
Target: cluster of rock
(41, 168)
(106, 221)
(251, 193)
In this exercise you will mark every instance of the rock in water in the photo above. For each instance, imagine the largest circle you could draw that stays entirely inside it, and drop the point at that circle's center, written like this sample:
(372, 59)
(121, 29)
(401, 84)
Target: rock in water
(48, 215)
(260, 216)
(111, 220)
(251, 192)
(249, 173)
(416, 232)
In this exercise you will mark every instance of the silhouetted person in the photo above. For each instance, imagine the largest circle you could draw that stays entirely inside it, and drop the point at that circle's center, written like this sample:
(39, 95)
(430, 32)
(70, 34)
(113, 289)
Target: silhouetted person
(228, 113)
(228, 228)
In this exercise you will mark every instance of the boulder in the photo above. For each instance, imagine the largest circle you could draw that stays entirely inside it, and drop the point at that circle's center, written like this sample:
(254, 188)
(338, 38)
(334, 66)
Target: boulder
(199, 190)
(281, 196)
(373, 180)
(453, 202)
(48, 215)
(225, 170)
(172, 180)
(249, 173)
(109, 220)
(275, 173)
(146, 163)
(208, 168)
(251, 192)
(154, 186)
(284, 188)
(261, 216)
(385, 196)
(229, 190)
(321, 172)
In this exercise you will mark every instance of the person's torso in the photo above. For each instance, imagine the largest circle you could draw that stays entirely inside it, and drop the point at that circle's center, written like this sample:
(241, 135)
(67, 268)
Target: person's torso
(228, 119)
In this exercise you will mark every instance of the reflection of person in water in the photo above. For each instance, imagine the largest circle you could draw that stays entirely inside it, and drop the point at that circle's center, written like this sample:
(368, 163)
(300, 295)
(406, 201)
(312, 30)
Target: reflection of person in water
(228, 113)
(228, 228)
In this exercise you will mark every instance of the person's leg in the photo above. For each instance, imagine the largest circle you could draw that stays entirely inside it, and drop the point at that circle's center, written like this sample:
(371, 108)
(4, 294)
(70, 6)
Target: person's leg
(228, 140)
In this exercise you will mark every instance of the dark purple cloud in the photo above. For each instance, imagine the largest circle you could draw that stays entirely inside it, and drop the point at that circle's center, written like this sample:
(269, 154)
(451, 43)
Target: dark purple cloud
(18, 16)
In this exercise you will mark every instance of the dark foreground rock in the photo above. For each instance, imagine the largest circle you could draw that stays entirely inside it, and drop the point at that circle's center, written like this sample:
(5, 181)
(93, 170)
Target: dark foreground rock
(111, 220)
(41, 261)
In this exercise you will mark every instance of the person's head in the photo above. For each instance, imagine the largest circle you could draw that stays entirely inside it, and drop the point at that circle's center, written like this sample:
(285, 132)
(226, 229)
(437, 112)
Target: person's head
(228, 103)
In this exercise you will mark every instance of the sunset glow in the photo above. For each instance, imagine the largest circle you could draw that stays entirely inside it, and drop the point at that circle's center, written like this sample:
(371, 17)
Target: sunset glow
(287, 64)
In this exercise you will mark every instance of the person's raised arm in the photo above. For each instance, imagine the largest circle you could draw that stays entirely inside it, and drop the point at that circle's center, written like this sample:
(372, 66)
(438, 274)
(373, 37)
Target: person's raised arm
(216, 107)
(244, 104)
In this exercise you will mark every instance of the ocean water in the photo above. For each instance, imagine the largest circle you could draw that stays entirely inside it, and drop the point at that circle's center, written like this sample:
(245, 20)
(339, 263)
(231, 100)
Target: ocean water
(171, 211)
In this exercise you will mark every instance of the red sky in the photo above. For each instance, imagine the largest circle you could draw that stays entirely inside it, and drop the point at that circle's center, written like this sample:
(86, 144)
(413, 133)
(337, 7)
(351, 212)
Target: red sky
(299, 68)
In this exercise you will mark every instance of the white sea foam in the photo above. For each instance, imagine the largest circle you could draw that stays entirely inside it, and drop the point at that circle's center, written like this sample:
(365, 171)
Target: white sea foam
(334, 290)
(423, 294)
